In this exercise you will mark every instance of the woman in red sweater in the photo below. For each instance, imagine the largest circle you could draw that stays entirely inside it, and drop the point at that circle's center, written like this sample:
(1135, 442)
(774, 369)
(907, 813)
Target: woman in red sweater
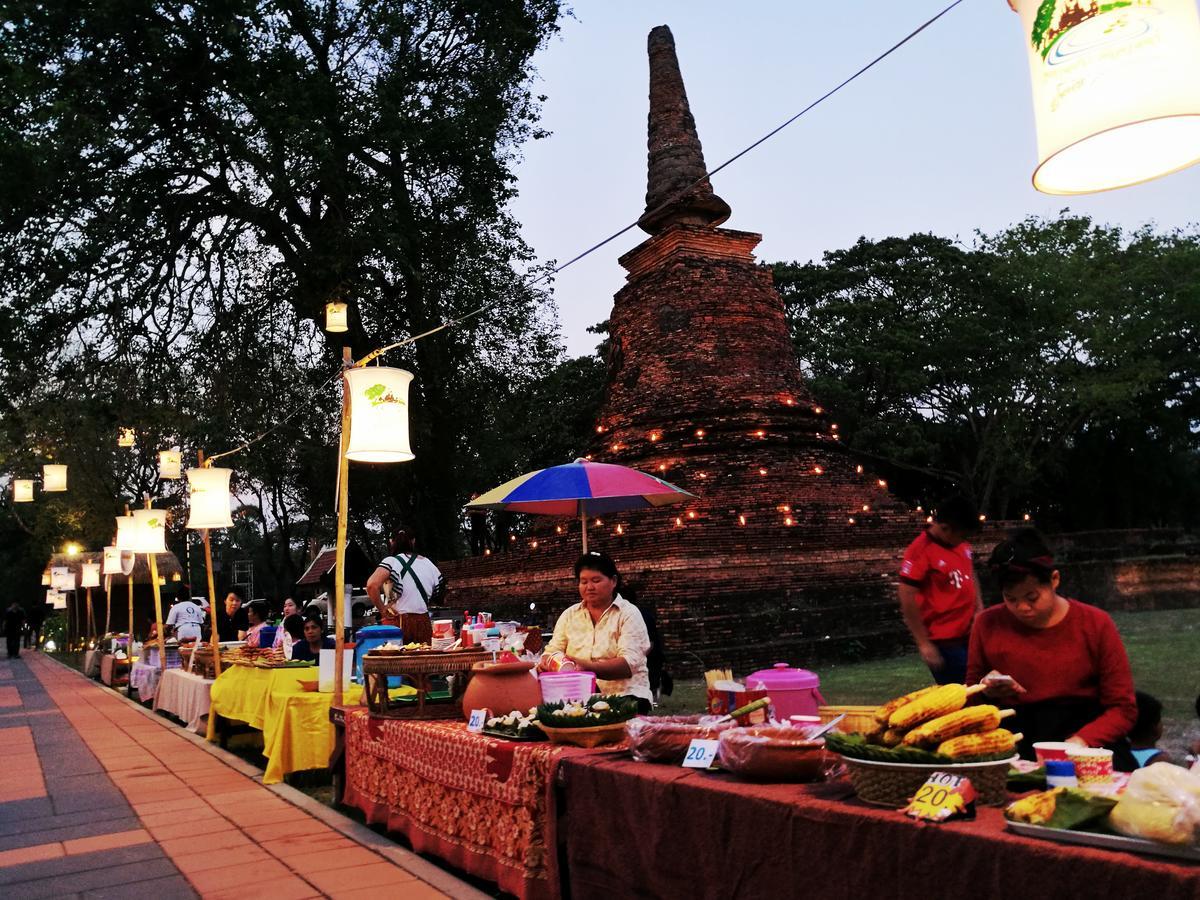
(1060, 663)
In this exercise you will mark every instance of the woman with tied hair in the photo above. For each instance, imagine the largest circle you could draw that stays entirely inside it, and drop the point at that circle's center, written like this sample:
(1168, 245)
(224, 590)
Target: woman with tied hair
(413, 579)
(1058, 662)
(604, 633)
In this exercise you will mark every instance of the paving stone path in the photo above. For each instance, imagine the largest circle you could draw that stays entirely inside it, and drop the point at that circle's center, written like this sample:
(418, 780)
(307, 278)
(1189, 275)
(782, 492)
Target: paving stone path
(99, 799)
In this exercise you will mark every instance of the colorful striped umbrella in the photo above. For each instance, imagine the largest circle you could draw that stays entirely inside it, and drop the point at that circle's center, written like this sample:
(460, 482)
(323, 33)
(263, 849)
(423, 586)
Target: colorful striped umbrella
(583, 489)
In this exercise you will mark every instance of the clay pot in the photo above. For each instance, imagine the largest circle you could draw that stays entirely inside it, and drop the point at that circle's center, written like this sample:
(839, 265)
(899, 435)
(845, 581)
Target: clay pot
(502, 688)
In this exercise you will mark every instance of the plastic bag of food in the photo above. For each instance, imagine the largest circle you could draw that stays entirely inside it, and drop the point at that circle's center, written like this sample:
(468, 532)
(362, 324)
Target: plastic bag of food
(666, 738)
(775, 753)
(1161, 803)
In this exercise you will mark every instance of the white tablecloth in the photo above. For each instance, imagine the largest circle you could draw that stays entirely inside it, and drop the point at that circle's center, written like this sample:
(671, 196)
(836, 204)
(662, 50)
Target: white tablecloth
(185, 696)
(91, 663)
(144, 679)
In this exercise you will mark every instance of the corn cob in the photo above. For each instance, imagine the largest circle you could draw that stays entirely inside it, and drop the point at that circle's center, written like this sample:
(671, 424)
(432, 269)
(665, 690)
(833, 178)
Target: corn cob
(968, 720)
(892, 737)
(885, 712)
(945, 699)
(874, 735)
(1035, 809)
(998, 740)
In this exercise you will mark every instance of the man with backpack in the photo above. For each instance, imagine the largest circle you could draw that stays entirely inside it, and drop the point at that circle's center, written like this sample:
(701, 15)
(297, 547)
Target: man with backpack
(413, 581)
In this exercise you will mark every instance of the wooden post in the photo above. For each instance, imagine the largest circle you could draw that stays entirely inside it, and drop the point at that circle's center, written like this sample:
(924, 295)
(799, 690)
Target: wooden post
(212, 597)
(108, 604)
(129, 645)
(152, 559)
(91, 618)
(343, 496)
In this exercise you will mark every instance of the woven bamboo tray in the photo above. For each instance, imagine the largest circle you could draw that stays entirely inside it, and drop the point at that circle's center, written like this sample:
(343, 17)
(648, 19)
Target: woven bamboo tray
(893, 784)
(419, 668)
(592, 736)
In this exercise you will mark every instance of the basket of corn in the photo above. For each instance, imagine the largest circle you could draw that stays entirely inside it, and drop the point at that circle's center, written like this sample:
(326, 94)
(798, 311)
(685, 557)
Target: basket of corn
(931, 730)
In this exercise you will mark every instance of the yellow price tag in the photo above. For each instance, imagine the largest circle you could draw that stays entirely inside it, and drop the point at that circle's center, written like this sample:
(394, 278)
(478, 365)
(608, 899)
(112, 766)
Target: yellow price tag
(943, 796)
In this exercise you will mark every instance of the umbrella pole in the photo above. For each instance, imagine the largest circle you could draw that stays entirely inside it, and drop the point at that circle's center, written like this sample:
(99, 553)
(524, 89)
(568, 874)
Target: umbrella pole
(583, 525)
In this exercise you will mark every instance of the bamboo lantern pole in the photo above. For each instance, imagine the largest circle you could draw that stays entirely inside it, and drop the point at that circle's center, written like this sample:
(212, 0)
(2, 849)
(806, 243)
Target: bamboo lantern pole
(91, 617)
(214, 636)
(152, 559)
(343, 496)
(129, 646)
(108, 605)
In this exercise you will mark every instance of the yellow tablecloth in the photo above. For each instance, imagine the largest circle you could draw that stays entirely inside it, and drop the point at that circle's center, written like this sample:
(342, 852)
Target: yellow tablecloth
(297, 733)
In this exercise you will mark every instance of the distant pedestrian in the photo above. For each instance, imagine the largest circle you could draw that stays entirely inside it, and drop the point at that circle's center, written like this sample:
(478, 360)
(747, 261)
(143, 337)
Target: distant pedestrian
(478, 521)
(14, 623)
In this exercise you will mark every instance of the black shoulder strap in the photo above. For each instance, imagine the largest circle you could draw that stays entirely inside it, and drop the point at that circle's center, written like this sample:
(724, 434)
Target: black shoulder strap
(407, 569)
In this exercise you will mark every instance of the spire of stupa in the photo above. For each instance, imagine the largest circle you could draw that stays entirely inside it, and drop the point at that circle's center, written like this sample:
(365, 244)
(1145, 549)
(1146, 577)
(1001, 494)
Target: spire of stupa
(675, 159)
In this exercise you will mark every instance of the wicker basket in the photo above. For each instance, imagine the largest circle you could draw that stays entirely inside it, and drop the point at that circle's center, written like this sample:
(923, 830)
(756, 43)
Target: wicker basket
(419, 668)
(859, 719)
(893, 784)
(592, 736)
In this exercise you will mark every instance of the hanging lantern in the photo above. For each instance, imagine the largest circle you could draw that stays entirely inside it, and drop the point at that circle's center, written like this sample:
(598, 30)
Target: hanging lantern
(209, 498)
(90, 575)
(336, 318)
(22, 490)
(149, 531)
(112, 561)
(1116, 90)
(54, 478)
(62, 579)
(378, 414)
(169, 464)
(125, 437)
(46, 578)
(56, 599)
(125, 529)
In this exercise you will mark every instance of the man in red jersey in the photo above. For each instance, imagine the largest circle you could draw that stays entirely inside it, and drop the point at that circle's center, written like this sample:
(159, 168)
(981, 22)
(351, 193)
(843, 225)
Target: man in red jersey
(939, 594)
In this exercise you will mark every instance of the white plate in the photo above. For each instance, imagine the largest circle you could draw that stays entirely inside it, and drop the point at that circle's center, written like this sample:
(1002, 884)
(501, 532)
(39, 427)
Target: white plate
(1106, 841)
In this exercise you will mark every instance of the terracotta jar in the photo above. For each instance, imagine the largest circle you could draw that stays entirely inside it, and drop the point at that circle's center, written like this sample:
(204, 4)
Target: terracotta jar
(502, 688)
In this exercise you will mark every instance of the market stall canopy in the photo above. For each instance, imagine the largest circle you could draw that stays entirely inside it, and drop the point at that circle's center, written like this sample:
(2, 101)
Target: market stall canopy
(169, 568)
(358, 566)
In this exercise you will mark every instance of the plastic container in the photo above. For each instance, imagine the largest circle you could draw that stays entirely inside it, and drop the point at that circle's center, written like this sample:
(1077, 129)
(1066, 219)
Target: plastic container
(665, 739)
(371, 637)
(1047, 750)
(794, 692)
(1060, 773)
(558, 686)
(773, 753)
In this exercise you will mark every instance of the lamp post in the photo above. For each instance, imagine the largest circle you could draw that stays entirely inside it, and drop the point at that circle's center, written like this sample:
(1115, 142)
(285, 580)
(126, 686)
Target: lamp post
(208, 509)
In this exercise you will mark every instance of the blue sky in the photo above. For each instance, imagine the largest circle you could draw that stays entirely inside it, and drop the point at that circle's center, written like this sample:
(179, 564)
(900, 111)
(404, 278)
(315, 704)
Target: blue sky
(939, 137)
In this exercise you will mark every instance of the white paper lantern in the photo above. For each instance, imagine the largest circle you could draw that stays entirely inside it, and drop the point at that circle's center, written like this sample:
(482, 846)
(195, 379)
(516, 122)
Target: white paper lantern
(89, 575)
(128, 561)
(46, 578)
(125, 438)
(56, 599)
(62, 578)
(125, 533)
(112, 561)
(22, 490)
(1116, 90)
(378, 414)
(169, 464)
(54, 478)
(336, 319)
(149, 535)
(209, 498)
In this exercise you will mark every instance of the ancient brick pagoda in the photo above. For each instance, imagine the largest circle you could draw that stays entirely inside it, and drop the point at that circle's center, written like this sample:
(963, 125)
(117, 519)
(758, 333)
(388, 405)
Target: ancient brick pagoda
(790, 550)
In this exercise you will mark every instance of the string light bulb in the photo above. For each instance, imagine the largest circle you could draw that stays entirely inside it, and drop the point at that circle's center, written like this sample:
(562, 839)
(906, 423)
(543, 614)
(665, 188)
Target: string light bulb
(817, 410)
(598, 523)
(882, 484)
(678, 522)
(866, 508)
(762, 471)
(700, 432)
(599, 429)
(533, 545)
(620, 529)
(655, 437)
(662, 467)
(834, 426)
(1026, 517)
(760, 433)
(858, 469)
(789, 401)
(558, 529)
(852, 520)
(817, 470)
(788, 520)
(786, 507)
(487, 551)
(691, 514)
(929, 520)
(741, 520)
(982, 517)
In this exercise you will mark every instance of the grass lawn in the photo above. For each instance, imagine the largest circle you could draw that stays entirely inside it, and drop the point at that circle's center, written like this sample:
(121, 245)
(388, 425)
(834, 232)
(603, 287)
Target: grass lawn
(1163, 646)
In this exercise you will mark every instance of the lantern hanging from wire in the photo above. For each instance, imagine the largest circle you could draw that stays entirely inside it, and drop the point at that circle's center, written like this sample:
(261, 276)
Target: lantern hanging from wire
(1116, 90)
(208, 496)
(56, 599)
(125, 438)
(112, 561)
(62, 578)
(54, 477)
(46, 578)
(378, 414)
(125, 533)
(169, 464)
(22, 490)
(336, 317)
(89, 575)
(149, 531)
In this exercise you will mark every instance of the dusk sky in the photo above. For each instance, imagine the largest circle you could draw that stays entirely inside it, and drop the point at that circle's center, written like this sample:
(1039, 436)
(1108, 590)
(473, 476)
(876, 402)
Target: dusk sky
(939, 137)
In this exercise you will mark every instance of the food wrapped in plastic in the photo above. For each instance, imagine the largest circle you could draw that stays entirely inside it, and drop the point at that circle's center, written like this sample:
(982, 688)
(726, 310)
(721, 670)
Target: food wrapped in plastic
(1161, 803)
(774, 753)
(665, 739)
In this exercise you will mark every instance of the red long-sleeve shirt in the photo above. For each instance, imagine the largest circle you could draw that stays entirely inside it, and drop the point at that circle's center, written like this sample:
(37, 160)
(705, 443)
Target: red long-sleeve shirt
(1081, 657)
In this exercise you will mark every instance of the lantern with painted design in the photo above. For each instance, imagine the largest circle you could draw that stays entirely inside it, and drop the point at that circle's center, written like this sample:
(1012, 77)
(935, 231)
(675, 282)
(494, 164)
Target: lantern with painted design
(336, 317)
(22, 490)
(125, 437)
(62, 578)
(378, 414)
(54, 478)
(208, 497)
(125, 533)
(1116, 90)
(89, 575)
(149, 531)
(112, 561)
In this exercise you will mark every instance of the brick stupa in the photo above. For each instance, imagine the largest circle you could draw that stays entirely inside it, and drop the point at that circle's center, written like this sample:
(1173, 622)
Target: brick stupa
(790, 550)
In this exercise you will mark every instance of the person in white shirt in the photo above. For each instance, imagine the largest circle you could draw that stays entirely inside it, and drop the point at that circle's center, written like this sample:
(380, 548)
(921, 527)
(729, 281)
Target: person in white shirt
(413, 579)
(186, 617)
(604, 633)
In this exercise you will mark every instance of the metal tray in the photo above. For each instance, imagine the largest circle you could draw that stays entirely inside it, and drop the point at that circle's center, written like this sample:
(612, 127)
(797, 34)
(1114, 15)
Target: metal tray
(1107, 841)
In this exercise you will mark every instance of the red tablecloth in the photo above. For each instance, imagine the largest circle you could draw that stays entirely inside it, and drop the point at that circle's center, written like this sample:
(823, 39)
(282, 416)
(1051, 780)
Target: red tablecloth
(482, 804)
(642, 830)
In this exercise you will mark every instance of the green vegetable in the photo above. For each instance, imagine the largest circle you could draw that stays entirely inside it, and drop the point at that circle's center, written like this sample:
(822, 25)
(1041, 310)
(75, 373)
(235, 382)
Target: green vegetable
(855, 746)
(1074, 807)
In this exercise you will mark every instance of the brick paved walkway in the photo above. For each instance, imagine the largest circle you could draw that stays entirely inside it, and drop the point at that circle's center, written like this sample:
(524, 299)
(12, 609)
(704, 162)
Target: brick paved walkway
(98, 799)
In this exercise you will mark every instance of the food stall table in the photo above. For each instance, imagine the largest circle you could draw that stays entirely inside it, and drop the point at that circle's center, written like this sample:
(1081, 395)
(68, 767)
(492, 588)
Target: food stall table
(297, 733)
(91, 663)
(478, 802)
(185, 696)
(639, 829)
(146, 673)
(113, 671)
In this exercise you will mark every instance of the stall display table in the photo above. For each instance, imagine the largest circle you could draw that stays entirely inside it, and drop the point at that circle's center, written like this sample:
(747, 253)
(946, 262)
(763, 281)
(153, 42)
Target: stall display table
(91, 663)
(113, 671)
(297, 733)
(185, 696)
(480, 803)
(639, 829)
(145, 673)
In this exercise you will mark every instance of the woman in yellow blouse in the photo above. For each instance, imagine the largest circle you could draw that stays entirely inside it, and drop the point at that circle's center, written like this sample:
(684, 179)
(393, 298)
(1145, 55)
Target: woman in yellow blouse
(603, 633)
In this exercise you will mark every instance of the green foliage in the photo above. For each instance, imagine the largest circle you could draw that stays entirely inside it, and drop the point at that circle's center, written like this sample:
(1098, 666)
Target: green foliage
(1018, 369)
